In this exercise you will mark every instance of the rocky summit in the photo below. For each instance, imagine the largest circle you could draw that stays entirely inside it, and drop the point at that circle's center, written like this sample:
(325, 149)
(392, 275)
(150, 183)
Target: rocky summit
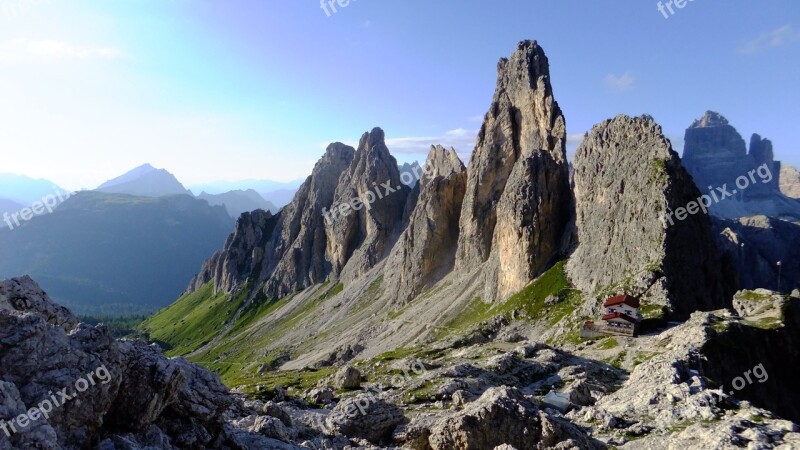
(517, 302)
(627, 179)
(516, 206)
(717, 157)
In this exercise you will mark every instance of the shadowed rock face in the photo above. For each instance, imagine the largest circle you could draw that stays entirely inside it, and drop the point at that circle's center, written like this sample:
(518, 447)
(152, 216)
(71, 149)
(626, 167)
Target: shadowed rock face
(755, 245)
(517, 200)
(284, 252)
(714, 152)
(426, 250)
(242, 255)
(358, 239)
(300, 242)
(716, 156)
(626, 177)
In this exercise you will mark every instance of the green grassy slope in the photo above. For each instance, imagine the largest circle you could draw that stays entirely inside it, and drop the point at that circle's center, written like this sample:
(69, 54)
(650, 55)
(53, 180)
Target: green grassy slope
(242, 342)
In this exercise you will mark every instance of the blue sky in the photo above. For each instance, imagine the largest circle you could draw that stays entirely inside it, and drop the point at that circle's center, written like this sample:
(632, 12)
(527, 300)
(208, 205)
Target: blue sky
(238, 89)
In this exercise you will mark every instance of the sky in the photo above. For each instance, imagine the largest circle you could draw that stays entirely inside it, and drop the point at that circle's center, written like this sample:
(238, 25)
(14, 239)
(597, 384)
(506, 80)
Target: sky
(234, 89)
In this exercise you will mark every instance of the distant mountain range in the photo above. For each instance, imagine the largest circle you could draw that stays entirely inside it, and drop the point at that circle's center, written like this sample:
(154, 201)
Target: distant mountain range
(748, 179)
(146, 181)
(128, 247)
(26, 190)
(238, 202)
(115, 254)
(260, 186)
(276, 192)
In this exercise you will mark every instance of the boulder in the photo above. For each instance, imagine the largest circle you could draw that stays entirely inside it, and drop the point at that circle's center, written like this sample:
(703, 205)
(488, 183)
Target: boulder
(366, 417)
(320, 396)
(501, 416)
(348, 377)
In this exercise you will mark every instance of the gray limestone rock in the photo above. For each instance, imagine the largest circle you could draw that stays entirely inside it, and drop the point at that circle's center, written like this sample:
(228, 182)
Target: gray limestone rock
(426, 250)
(790, 181)
(119, 393)
(368, 209)
(366, 417)
(517, 201)
(627, 179)
(503, 415)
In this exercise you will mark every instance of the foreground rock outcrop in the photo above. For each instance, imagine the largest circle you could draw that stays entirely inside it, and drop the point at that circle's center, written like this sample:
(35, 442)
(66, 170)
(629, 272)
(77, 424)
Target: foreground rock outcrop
(517, 201)
(627, 180)
(503, 416)
(113, 391)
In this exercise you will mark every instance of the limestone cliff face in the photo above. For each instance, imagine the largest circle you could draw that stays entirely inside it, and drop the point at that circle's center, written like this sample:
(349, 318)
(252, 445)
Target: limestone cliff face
(626, 177)
(790, 182)
(716, 156)
(362, 234)
(300, 244)
(517, 200)
(426, 250)
(714, 152)
(242, 256)
(286, 252)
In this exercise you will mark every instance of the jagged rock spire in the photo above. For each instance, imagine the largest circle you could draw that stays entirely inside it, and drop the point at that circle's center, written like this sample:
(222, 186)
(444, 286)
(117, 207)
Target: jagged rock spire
(517, 199)
(426, 250)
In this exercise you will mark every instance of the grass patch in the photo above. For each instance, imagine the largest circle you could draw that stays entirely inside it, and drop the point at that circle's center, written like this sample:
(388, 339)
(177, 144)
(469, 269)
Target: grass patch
(194, 320)
(529, 303)
(608, 344)
(618, 360)
(767, 323)
(394, 355)
(294, 381)
(653, 312)
(754, 296)
(643, 357)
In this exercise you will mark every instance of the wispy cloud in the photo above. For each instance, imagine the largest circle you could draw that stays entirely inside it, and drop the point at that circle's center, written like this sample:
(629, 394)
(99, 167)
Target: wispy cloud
(461, 139)
(774, 38)
(619, 83)
(48, 50)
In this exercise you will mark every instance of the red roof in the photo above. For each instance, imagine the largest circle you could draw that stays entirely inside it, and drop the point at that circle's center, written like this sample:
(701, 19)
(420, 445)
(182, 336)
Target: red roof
(619, 316)
(619, 299)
